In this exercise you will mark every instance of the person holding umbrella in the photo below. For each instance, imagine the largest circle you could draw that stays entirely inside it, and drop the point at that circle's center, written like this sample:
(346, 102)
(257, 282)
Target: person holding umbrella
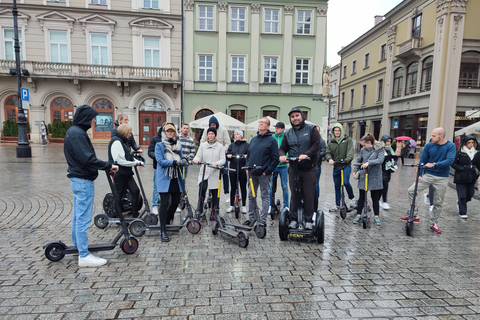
(402, 147)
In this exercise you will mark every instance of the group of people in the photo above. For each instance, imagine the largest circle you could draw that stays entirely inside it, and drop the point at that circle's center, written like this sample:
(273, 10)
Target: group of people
(266, 156)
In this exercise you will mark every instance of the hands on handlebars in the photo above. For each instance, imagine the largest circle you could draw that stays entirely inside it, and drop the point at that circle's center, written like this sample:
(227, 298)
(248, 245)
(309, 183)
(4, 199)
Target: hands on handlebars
(299, 158)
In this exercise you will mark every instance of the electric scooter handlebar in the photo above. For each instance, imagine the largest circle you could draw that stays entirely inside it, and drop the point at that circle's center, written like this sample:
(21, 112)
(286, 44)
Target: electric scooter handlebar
(211, 165)
(251, 168)
(418, 165)
(297, 159)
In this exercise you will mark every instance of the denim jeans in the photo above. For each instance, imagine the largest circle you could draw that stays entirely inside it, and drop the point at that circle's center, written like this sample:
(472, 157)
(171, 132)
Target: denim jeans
(317, 186)
(83, 197)
(283, 172)
(346, 182)
(264, 182)
(155, 193)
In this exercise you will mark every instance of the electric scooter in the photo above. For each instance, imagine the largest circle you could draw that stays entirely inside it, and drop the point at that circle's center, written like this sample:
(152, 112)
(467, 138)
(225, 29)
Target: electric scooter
(237, 192)
(275, 208)
(300, 233)
(343, 205)
(260, 230)
(366, 213)
(56, 250)
(413, 206)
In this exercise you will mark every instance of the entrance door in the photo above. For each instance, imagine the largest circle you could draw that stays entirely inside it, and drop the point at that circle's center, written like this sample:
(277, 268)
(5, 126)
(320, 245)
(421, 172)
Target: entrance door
(150, 122)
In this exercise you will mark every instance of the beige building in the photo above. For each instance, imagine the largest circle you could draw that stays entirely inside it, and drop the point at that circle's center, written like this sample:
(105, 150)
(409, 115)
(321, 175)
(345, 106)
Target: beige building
(416, 69)
(117, 56)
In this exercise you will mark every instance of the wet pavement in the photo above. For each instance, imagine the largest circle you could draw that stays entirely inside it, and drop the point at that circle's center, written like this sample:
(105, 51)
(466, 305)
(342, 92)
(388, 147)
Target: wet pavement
(376, 273)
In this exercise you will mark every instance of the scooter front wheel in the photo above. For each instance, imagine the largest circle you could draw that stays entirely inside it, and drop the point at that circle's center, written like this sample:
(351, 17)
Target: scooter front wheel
(409, 228)
(129, 246)
(237, 211)
(54, 252)
(365, 222)
(151, 219)
(194, 227)
(242, 240)
(137, 228)
(215, 227)
(320, 230)
(260, 231)
(343, 212)
(101, 221)
(283, 225)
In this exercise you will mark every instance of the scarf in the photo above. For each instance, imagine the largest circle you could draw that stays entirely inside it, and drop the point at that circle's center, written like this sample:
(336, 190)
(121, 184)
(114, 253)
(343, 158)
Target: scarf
(172, 153)
(469, 152)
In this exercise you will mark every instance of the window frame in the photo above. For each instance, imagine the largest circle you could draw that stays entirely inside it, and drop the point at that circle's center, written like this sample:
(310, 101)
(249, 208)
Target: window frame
(428, 71)
(417, 29)
(151, 4)
(342, 100)
(264, 69)
(380, 88)
(212, 68)
(344, 72)
(302, 72)
(265, 21)
(99, 4)
(354, 67)
(49, 34)
(352, 97)
(107, 45)
(213, 18)
(304, 23)
(145, 48)
(363, 98)
(397, 87)
(12, 40)
(237, 69)
(366, 60)
(412, 77)
(245, 20)
(383, 52)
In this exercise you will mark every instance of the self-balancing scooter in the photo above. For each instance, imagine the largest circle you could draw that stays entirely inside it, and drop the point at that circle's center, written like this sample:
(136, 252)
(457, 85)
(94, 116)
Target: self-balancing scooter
(343, 205)
(56, 250)
(413, 206)
(260, 230)
(300, 233)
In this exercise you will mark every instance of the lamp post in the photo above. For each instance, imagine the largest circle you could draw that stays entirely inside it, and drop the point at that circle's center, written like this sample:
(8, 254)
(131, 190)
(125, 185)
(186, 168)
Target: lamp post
(23, 148)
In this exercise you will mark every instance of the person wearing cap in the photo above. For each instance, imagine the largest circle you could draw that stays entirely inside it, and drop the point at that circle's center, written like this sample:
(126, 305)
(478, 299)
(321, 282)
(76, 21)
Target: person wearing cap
(168, 154)
(238, 147)
(210, 151)
(302, 141)
(224, 138)
(281, 169)
(263, 151)
(83, 166)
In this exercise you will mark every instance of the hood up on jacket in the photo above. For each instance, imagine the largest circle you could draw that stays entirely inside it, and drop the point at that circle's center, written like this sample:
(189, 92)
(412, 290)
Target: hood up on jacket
(468, 138)
(83, 116)
(342, 132)
(213, 119)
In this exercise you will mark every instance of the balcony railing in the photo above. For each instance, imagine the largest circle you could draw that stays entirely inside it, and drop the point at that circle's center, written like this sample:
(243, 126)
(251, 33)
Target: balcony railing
(411, 90)
(425, 86)
(469, 83)
(409, 48)
(92, 72)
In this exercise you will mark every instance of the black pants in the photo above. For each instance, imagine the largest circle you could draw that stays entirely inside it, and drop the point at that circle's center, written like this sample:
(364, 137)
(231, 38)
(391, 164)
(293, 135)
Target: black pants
(203, 190)
(243, 187)
(168, 205)
(375, 201)
(386, 180)
(124, 182)
(465, 192)
(308, 180)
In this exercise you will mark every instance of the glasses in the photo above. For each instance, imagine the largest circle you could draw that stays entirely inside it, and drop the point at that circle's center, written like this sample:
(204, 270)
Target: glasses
(264, 122)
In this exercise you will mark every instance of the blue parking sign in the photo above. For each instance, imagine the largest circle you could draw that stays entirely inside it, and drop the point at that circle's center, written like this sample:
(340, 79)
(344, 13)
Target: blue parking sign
(25, 94)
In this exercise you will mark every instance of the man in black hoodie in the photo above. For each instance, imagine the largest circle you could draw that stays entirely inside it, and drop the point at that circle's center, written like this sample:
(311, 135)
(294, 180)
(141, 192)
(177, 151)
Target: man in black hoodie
(263, 151)
(83, 166)
(151, 154)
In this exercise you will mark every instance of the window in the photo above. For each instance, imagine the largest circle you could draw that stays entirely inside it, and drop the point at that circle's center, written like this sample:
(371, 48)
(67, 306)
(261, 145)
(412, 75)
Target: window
(301, 71)
(417, 26)
(412, 71)
(397, 83)
(100, 2)
(205, 18)
(354, 66)
(352, 96)
(427, 69)
(269, 113)
(238, 69)
(304, 22)
(8, 44)
(205, 68)
(271, 20)
(342, 105)
(151, 48)
(366, 62)
(150, 4)
(99, 47)
(238, 19)
(469, 70)
(364, 95)
(56, 0)
(379, 90)
(383, 52)
(270, 70)
(62, 109)
(238, 114)
(344, 72)
(58, 46)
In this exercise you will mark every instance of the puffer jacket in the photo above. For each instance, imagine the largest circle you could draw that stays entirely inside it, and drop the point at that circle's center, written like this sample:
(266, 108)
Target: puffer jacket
(465, 168)
(210, 153)
(375, 163)
(236, 148)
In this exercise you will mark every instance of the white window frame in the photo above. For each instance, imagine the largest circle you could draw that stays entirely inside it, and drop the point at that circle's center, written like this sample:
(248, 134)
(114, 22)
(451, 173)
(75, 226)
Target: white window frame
(205, 68)
(352, 97)
(45, 2)
(297, 22)
(20, 37)
(366, 60)
(159, 48)
(354, 67)
(108, 45)
(138, 5)
(89, 4)
(380, 90)
(98, 2)
(277, 22)
(238, 20)
(383, 45)
(151, 4)
(67, 43)
(270, 70)
(244, 69)
(302, 72)
(213, 19)
(363, 97)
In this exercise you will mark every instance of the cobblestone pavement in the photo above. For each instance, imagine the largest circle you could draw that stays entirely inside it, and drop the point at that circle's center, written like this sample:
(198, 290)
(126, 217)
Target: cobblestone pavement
(376, 273)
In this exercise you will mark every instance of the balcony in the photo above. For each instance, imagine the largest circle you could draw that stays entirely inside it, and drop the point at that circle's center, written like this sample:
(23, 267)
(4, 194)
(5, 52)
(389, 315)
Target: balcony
(408, 49)
(469, 83)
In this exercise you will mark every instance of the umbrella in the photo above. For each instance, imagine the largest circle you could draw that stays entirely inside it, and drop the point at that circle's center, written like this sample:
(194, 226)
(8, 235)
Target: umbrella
(224, 120)
(403, 138)
(413, 143)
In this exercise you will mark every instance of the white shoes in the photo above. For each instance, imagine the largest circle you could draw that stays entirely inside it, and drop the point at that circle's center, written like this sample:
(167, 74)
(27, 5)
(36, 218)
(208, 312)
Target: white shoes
(463, 216)
(91, 261)
(227, 197)
(426, 200)
(430, 208)
(230, 209)
(155, 210)
(293, 224)
(352, 203)
(178, 210)
(244, 209)
(384, 205)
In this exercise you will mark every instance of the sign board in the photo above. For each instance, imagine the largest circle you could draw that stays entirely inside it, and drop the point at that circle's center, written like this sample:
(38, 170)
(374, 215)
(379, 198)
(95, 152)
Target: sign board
(25, 105)
(472, 113)
(25, 94)
(395, 124)
(38, 123)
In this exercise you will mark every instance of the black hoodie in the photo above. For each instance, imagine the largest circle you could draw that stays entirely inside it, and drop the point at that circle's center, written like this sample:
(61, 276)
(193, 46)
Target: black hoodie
(78, 149)
(151, 147)
(263, 151)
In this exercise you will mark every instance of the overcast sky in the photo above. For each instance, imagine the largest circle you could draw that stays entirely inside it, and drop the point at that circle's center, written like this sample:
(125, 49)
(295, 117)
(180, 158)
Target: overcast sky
(349, 19)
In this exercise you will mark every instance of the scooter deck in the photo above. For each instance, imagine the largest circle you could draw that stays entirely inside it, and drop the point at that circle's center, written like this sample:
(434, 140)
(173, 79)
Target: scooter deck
(239, 226)
(301, 233)
(91, 248)
(229, 232)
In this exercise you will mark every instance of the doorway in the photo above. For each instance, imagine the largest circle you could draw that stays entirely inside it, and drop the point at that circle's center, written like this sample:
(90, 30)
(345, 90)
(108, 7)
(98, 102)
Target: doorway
(150, 122)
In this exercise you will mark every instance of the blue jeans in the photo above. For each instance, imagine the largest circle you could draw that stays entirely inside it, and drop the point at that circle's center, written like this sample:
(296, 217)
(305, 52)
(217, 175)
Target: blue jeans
(317, 186)
(283, 172)
(155, 193)
(83, 197)
(346, 182)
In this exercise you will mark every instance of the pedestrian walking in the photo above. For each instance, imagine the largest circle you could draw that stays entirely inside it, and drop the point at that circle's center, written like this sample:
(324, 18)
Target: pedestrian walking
(83, 166)
(467, 166)
(281, 170)
(238, 148)
(399, 151)
(389, 166)
(44, 133)
(321, 153)
(438, 155)
(371, 158)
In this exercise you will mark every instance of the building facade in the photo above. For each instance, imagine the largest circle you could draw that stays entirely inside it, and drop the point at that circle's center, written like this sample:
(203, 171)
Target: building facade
(415, 70)
(117, 56)
(251, 60)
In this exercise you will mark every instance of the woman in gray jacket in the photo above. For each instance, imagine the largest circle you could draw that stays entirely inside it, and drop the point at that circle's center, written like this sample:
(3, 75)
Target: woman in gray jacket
(371, 158)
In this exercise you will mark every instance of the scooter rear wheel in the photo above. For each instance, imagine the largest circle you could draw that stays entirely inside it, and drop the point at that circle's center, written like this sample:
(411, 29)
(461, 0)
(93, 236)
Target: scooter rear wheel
(194, 227)
(137, 228)
(260, 231)
(242, 240)
(237, 211)
(109, 205)
(215, 227)
(283, 225)
(151, 219)
(101, 220)
(320, 231)
(129, 246)
(53, 252)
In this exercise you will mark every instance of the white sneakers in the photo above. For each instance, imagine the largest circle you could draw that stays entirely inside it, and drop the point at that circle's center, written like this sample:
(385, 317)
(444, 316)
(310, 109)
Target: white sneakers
(91, 261)
(308, 226)
(384, 205)
(293, 224)
(244, 209)
(227, 197)
(430, 208)
(155, 210)
(230, 209)
(352, 203)
(178, 210)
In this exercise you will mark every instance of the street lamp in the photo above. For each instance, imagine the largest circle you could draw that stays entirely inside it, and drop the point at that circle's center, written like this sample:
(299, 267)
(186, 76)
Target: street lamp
(23, 148)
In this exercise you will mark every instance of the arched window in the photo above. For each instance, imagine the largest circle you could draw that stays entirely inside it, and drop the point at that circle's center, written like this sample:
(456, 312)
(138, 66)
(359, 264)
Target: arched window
(201, 114)
(61, 109)
(11, 110)
(397, 83)
(427, 69)
(152, 104)
(104, 121)
(412, 74)
(470, 70)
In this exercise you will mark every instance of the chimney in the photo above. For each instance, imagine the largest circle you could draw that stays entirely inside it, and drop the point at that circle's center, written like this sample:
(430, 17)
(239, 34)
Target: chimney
(378, 19)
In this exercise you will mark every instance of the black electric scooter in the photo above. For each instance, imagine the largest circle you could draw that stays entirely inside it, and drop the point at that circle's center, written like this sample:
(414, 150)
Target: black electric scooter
(260, 231)
(413, 206)
(56, 250)
(366, 213)
(138, 226)
(275, 208)
(237, 192)
(300, 233)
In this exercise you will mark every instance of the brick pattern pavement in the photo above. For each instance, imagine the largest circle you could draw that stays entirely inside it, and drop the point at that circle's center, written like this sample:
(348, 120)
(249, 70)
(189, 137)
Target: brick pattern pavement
(377, 273)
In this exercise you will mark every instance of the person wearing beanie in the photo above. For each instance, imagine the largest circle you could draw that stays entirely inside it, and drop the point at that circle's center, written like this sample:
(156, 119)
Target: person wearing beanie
(282, 168)
(210, 151)
(389, 167)
(238, 147)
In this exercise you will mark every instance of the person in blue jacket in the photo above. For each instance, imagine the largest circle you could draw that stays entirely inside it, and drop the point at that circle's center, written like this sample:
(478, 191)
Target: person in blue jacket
(168, 154)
